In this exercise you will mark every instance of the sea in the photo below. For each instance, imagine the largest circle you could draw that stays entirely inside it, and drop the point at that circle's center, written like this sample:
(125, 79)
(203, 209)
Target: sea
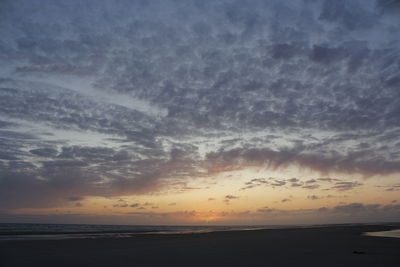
(37, 231)
(27, 231)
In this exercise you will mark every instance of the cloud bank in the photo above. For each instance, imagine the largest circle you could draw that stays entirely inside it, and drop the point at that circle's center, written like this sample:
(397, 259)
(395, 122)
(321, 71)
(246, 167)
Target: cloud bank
(108, 99)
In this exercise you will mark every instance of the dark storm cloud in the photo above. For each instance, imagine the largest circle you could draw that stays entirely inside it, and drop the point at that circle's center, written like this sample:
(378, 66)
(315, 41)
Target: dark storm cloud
(317, 81)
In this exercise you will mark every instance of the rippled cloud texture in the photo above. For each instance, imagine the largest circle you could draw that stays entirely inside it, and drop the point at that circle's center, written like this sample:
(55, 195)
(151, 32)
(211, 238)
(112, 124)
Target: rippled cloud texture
(113, 98)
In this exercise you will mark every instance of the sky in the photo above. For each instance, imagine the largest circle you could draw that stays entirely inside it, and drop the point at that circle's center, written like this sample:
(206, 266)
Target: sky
(200, 112)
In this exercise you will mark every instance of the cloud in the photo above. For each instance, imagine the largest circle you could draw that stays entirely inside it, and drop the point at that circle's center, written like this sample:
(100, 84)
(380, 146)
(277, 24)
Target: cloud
(124, 205)
(344, 186)
(311, 181)
(330, 180)
(231, 197)
(72, 199)
(309, 184)
(388, 6)
(354, 212)
(296, 156)
(357, 211)
(228, 198)
(132, 98)
(313, 197)
(278, 183)
(390, 187)
(356, 208)
(44, 152)
(143, 206)
(312, 186)
(256, 182)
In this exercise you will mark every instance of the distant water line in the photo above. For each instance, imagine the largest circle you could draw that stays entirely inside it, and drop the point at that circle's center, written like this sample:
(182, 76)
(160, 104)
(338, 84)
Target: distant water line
(31, 231)
(12, 231)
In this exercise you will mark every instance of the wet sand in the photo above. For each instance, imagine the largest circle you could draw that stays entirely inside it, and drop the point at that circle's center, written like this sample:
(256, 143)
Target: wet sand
(325, 246)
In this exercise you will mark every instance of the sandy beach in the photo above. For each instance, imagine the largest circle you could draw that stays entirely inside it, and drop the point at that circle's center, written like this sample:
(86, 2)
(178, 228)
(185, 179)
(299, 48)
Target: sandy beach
(325, 246)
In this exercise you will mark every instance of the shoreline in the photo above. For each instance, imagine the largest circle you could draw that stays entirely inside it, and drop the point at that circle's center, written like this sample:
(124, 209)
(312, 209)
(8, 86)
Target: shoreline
(392, 230)
(173, 230)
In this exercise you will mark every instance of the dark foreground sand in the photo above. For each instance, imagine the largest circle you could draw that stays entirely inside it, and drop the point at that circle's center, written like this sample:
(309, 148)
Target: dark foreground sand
(329, 246)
